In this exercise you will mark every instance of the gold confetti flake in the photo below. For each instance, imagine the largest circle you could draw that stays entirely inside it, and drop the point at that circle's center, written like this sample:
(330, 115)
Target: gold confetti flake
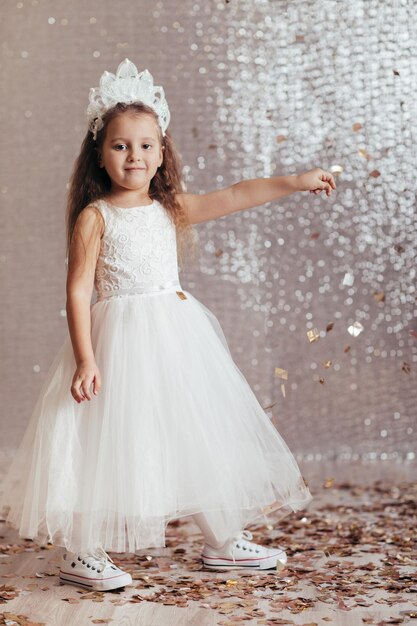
(328, 483)
(328, 364)
(365, 154)
(321, 381)
(313, 335)
(379, 296)
(406, 367)
(181, 295)
(329, 327)
(281, 373)
(283, 389)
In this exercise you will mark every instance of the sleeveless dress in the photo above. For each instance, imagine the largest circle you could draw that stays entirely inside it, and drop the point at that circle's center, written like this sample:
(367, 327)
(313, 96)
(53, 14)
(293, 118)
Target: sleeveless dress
(175, 429)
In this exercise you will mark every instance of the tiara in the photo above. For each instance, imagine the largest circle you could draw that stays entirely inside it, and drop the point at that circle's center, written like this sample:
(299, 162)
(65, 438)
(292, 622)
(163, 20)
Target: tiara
(127, 86)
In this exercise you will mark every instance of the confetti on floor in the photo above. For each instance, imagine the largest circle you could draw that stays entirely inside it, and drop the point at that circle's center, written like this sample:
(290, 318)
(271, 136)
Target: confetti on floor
(353, 551)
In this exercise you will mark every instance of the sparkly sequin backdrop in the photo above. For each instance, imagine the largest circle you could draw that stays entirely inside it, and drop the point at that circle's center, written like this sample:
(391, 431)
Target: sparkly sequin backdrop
(323, 289)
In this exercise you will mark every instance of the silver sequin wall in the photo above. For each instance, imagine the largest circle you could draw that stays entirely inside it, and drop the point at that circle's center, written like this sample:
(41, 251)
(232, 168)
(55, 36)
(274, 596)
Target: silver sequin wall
(315, 295)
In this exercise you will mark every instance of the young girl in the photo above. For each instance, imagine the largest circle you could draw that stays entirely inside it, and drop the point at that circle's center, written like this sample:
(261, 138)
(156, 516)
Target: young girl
(171, 427)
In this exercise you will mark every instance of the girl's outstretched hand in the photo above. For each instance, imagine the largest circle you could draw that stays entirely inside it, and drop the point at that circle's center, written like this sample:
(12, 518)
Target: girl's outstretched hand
(87, 373)
(316, 181)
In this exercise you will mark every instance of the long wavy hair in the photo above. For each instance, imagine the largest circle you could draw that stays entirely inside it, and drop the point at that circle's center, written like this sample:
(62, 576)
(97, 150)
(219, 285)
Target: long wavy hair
(89, 182)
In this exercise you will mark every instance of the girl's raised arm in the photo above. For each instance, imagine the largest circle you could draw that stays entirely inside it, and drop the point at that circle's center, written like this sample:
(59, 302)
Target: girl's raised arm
(82, 259)
(250, 193)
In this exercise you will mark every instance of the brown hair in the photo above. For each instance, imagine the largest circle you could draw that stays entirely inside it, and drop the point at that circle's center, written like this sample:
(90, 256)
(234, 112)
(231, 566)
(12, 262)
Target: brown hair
(89, 182)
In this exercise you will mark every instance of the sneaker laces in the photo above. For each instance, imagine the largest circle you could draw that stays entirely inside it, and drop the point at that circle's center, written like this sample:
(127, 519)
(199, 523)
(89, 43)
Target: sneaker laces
(242, 540)
(95, 558)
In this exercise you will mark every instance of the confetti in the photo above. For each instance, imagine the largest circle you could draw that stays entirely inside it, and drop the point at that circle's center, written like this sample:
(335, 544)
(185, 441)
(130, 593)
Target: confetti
(313, 335)
(348, 279)
(281, 373)
(355, 329)
(406, 367)
(355, 550)
(379, 296)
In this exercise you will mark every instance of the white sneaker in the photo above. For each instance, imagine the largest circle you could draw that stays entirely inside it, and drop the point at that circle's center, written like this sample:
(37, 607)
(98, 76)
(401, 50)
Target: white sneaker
(239, 552)
(93, 569)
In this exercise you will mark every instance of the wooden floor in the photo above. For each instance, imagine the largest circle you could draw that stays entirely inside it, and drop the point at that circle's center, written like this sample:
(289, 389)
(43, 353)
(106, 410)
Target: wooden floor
(352, 562)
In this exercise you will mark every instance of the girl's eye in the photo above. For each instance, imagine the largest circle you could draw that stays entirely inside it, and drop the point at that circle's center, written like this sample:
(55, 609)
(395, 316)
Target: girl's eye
(122, 146)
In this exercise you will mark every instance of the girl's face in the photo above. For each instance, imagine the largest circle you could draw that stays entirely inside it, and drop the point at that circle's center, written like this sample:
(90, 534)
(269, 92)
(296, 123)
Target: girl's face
(131, 152)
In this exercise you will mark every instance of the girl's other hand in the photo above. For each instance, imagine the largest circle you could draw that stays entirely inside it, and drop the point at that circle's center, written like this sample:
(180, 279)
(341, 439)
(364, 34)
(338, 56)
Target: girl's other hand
(86, 373)
(316, 181)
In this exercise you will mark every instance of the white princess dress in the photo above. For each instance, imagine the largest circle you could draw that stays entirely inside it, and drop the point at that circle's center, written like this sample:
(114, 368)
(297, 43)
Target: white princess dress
(175, 429)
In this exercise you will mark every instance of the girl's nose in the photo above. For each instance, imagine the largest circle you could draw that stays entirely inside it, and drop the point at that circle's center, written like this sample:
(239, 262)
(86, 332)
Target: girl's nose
(135, 154)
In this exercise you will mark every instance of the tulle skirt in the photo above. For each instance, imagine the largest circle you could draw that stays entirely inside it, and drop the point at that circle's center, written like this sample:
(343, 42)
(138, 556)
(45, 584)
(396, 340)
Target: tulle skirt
(175, 430)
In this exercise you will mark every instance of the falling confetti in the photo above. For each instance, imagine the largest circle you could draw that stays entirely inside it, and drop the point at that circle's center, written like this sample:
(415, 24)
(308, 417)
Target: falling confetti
(313, 335)
(281, 373)
(379, 296)
(406, 367)
(355, 329)
(348, 279)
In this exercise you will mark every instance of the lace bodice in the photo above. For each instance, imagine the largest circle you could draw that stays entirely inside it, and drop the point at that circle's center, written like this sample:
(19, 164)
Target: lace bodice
(138, 250)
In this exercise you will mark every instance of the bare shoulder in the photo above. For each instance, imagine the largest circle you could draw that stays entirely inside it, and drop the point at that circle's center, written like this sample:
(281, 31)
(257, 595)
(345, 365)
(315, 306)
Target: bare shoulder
(85, 243)
(91, 221)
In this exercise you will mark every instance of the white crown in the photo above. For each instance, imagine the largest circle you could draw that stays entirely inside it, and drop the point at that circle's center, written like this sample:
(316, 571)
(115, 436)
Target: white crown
(127, 86)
